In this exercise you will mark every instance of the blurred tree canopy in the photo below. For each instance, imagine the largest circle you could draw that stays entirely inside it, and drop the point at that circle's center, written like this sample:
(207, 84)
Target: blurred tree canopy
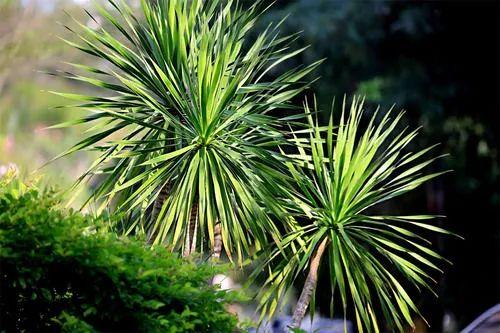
(30, 47)
(437, 60)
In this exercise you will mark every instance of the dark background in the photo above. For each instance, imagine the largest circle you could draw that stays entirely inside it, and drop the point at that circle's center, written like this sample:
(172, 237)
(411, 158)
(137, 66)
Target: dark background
(438, 61)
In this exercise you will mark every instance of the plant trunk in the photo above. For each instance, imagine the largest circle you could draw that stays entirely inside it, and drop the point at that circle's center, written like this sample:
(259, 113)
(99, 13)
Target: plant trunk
(216, 252)
(217, 242)
(160, 199)
(195, 234)
(309, 286)
(190, 243)
(157, 206)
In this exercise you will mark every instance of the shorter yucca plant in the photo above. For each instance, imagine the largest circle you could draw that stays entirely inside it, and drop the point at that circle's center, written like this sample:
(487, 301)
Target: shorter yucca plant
(340, 172)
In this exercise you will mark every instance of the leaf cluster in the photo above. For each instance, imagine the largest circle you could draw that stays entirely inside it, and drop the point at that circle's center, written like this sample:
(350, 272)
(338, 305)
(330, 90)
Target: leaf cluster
(63, 271)
(189, 109)
(341, 171)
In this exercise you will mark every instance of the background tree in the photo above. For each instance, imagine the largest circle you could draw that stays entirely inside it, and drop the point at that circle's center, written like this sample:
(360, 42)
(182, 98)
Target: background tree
(438, 61)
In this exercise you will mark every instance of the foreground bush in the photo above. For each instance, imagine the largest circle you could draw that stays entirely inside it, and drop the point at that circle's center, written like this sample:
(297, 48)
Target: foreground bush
(63, 271)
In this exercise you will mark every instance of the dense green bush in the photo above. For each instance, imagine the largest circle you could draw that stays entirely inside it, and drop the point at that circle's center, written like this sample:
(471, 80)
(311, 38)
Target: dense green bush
(63, 271)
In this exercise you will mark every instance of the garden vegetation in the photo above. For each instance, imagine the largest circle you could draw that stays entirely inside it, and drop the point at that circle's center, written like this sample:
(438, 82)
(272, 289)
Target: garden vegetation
(64, 271)
(194, 158)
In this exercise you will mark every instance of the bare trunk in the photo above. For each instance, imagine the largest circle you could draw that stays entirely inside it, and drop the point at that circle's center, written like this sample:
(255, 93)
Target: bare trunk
(157, 206)
(216, 252)
(309, 286)
(217, 242)
(195, 234)
(160, 199)
(190, 243)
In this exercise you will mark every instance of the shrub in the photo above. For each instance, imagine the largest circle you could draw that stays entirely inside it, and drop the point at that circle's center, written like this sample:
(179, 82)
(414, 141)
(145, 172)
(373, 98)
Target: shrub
(64, 271)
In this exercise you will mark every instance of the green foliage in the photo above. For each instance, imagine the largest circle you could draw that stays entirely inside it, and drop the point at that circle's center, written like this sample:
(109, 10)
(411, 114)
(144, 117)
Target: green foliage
(64, 271)
(189, 110)
(341, 172)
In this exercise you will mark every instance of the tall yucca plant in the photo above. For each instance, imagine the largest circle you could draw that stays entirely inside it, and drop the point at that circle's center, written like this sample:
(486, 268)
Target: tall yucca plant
(340, 172)
(185, 130)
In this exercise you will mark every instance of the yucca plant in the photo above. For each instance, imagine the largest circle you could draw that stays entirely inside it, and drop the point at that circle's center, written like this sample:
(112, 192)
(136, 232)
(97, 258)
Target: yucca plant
(184, 131)
(341, 171)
